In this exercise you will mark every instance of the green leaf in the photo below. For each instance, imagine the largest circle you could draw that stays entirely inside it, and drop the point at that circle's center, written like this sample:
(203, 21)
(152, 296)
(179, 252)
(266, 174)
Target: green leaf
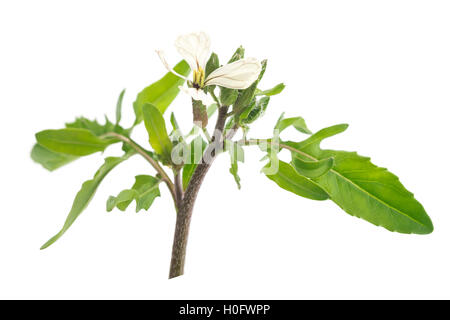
(174, 122)
(197, 147)
(244, 114)
(263, 70)
(246, 96)
(313, 142)
(73, 141)
(244, 99)
(156, 128)
(119, 107)
(85, 195)
(144, 192)
(122, 201)
(287, 178)
(297, 122)
(48, 159)
(364, 190)
(211, 109)
(176, 135)
(96, 128)
(230, 123)
(237, 55)
(228, 96)
(162, 92)
(236, 154)
(52, 160)
(148, 189)
(254, 111)
(311, 169)
(212, 64)
(273, 91)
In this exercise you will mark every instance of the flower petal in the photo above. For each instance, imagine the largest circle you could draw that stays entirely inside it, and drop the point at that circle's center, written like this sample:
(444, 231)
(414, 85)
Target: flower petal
(197, 94)
(194, 48)
(164, 61)
(236, 75)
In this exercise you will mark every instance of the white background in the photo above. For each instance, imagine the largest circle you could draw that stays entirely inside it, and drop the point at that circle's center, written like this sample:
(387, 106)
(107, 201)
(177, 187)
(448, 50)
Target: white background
(381, 66)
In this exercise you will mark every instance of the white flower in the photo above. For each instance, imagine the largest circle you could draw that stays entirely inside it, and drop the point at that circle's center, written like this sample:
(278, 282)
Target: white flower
(198, 94)
(195, 49)
(236, 75)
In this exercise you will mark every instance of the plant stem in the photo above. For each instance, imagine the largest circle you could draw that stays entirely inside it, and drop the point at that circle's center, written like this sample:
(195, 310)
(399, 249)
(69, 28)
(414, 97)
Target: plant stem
(147, 157)
(187, 205)
(178, 189)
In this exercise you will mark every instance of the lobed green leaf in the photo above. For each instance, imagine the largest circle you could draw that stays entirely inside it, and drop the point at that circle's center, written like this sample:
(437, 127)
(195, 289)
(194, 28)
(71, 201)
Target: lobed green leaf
(144, 192)
(364, 190)
(94, 126)
(297, 122)
(85, 195)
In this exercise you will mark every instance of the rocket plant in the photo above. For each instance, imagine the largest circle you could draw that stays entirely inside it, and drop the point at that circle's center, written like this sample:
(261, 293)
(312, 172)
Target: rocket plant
(230, 96)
